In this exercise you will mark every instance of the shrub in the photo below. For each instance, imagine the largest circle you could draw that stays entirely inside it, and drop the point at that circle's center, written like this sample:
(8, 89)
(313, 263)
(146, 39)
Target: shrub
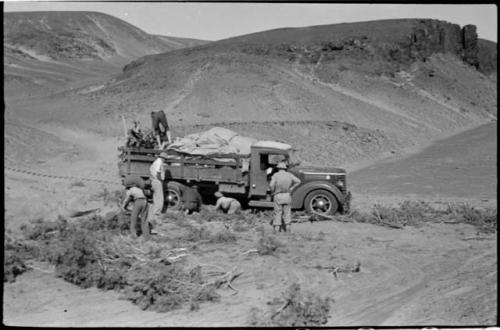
(295, 308)
(485, 220)
(240, 227)
(13, 266)
(196, 234)
(224, 236)
(116, 221)
(42, 230)
(87, 253)
(268, 245)
(415, 213)
(78, 261)
(160, 287)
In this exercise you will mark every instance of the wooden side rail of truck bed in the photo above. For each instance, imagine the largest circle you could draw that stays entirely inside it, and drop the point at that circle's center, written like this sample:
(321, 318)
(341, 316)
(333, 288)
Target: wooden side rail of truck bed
(184, 167)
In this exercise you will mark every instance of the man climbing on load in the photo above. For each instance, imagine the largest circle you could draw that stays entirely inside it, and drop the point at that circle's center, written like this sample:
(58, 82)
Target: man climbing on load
(161, 129)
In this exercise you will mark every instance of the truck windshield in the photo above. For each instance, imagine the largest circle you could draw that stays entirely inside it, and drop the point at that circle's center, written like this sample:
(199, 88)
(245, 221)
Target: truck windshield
(294, 159)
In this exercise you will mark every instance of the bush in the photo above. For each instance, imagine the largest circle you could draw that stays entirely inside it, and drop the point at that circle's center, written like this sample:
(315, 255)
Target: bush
(78, 261)
(91, 252)
(268, 245)
(485, 220)
(415, 213)
(196, 234)
(223, 237)
(201, 234)
(42, 230)
(295, 308)
(160, 287)
(117, 221)
(13, 266)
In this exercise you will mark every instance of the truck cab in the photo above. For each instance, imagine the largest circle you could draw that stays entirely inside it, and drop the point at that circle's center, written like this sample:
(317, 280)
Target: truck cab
(322, 190)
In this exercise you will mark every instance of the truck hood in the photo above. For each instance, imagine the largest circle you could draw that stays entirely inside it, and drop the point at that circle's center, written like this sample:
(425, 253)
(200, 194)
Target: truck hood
(319, 170)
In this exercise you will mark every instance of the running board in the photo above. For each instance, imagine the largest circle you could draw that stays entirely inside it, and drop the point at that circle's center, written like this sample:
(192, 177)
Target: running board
(260, 204)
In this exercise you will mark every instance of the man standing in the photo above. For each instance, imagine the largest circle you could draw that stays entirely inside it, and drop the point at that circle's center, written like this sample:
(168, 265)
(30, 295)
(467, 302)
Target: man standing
(226, 204)
(160, 128)
(139, 212)
(157, 175)
(282, 184)
(191, 199)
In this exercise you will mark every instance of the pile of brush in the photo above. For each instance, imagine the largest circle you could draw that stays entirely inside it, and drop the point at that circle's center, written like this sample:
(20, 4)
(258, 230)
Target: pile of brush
(97, 252)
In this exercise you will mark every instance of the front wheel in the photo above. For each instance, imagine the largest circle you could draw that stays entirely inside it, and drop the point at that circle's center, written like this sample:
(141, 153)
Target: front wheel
(321, 202)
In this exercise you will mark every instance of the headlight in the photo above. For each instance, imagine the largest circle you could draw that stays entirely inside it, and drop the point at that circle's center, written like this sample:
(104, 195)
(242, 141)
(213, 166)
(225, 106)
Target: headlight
(340, 183)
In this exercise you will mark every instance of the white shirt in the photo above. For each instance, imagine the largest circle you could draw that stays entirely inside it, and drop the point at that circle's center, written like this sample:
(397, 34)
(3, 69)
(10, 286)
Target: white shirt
(225, 203)
(134, 193)
(157, 168)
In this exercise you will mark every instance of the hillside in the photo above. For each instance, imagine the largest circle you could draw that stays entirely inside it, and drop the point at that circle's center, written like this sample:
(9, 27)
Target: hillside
(487, 55)
(50, 51)
(392, 85)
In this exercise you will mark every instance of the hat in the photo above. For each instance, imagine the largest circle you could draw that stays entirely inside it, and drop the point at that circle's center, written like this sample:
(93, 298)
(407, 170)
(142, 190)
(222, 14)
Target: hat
(281, 165)
(218, 194)
(163, 155)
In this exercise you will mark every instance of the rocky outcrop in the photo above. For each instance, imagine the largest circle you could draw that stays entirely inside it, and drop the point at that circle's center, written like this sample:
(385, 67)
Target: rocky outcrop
(395, 42)
(433, 36)
(470, 45)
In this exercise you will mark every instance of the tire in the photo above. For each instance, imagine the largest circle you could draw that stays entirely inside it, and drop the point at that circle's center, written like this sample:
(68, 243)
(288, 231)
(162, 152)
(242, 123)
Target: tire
(173, 196)
(321, 202)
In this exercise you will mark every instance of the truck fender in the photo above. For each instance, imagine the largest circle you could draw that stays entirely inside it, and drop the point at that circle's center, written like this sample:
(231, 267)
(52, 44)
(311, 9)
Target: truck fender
(301, 192)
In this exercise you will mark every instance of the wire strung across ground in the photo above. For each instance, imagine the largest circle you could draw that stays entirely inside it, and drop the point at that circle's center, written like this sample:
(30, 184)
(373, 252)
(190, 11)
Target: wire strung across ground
(58, 176)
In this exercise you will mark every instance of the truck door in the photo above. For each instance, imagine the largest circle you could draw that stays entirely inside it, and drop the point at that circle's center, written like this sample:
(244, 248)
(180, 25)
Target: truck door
(262, 167)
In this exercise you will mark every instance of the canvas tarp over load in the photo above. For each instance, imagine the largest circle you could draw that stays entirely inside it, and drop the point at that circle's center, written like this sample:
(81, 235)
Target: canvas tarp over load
(216, 142)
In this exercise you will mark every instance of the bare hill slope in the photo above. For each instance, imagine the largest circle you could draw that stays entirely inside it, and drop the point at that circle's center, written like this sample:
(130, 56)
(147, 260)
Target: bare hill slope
(46, 51)
(385, 86)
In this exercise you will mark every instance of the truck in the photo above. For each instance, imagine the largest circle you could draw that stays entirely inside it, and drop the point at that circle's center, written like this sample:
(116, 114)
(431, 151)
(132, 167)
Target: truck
(323, 190)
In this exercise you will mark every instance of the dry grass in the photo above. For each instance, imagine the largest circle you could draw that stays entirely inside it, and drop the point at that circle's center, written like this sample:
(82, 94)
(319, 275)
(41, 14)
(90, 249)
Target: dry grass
(417, 213)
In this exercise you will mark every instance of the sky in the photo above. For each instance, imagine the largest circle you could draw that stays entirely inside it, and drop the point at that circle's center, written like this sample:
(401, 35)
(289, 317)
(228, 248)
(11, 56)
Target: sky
(215, 21)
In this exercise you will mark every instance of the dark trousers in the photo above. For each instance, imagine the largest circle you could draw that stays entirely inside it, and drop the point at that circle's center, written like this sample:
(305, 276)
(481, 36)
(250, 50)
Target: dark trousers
(140, 211)
(159, 118)
(191, 206)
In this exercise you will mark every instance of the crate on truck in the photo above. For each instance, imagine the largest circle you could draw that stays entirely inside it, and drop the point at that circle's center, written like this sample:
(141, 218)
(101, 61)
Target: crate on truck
(245, 177)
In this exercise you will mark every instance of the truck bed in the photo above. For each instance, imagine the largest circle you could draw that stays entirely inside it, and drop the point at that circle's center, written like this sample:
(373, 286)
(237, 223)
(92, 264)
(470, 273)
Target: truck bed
(217, 168)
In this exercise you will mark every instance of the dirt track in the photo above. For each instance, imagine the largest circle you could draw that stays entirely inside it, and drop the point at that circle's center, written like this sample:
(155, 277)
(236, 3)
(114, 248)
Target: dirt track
(440, 274)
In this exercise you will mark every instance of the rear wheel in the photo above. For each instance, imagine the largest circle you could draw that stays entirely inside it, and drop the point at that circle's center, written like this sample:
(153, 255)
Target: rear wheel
(321, 202)
(173, 196)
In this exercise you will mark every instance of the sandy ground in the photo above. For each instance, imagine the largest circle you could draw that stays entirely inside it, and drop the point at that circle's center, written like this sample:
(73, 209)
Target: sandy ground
(462, 168)
(437, 274)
